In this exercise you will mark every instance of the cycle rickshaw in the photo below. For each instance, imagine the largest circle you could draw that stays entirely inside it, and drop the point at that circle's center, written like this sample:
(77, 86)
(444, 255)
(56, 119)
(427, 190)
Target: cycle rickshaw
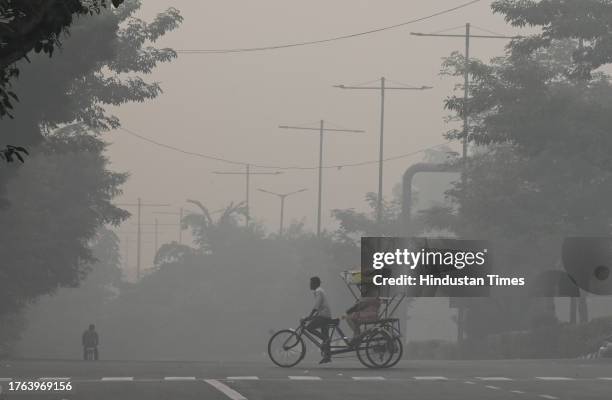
(379, 345)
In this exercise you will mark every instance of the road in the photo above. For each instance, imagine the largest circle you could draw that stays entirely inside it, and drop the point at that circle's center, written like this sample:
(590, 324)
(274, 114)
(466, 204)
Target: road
(344, 379)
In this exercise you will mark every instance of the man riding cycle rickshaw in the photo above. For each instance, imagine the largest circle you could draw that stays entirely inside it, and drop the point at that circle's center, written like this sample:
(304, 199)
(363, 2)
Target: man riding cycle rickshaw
(378, 345)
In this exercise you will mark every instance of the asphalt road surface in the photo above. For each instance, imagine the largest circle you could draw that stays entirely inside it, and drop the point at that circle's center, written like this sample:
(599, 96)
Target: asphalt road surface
(345, 379)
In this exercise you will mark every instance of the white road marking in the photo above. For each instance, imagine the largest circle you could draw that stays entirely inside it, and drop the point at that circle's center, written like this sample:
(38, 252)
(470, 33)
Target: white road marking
(226, 390)
(430, 378)
(368, 378)
(554, 378)
(242, 378)
(517, 391)
(304, 378)
(492, 387)
(117, 378)
(470, 382)
(547, 396)
(493, 378)
(179, 378)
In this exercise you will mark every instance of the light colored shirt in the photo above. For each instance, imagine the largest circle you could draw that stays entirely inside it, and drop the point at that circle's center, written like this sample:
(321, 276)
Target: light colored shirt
(321, 303)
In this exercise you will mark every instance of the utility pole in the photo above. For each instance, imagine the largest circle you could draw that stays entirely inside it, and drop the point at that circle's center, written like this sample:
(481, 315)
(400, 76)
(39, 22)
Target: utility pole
(181, 225)
(127, 253)
(156, 225)
(282, 197)
(466, 112)
(180, 222)
(139, 206)
(383, 88)
(156, 237)
(321, 129)
(466, 84)
(247, 174)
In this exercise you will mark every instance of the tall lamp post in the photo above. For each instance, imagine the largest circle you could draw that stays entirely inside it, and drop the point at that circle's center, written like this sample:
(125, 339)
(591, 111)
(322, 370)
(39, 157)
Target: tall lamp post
(382, 87)
(282, 197)
(247, 174)
(321, 130)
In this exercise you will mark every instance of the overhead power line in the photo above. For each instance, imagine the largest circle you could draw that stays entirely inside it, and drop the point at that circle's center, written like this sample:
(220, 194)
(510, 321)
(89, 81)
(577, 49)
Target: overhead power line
(277, 167)
(331, 39)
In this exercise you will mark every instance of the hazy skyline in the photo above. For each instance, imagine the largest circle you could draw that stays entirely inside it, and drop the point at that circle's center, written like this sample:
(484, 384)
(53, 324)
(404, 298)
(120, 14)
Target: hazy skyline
(230, 105)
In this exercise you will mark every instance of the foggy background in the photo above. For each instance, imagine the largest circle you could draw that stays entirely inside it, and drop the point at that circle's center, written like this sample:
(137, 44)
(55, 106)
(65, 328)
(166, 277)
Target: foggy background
(224, 302)
(230, 105)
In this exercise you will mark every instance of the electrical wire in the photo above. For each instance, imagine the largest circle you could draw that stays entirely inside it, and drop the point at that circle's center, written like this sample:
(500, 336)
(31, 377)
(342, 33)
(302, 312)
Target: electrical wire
(332, 39)
(488, 31)
(275, 167)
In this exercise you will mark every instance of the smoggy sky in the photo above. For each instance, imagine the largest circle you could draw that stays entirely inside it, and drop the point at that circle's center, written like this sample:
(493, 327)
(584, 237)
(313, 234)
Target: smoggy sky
(229, 105)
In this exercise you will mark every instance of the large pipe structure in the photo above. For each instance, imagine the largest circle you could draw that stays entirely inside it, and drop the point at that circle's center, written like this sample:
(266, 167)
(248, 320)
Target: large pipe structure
(407, 187)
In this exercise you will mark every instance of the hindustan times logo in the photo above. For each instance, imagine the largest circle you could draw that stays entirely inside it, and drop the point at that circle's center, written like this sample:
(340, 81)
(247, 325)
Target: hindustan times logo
(431, 257)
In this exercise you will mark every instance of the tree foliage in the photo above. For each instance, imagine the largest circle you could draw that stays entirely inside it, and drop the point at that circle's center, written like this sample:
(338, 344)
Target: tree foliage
(587, 21)
(539, 122)
(55, 322)
(58, 201)
(35, 25)
(78, 82)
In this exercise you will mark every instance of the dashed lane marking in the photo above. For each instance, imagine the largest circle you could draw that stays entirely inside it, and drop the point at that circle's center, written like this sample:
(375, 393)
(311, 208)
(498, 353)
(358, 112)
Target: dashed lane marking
(470, 382)
(493, 378)
(492, 387)
(226, 390)
(368, 378)
(117, 379)
(242, 378)
(431, 378)
(304, 378)
(517, 391)
(179, 378)
(554, 378)
(549, 397)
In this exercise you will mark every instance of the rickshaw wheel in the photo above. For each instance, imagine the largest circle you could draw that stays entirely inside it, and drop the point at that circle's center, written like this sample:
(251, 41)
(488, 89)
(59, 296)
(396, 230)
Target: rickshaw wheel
(398, 351)
(379, 349)
(286, 349)
(371, 350)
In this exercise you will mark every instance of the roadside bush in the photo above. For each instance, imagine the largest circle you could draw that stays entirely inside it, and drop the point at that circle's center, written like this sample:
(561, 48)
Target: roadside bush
(561, 340)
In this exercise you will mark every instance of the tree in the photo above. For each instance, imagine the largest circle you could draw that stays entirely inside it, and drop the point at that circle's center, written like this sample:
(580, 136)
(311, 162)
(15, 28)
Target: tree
(55, 322)
(212, 235)
(59, 200)
(542, 170)
(354, 224)
(587, 21)
(224, 294)
(79, 81)
(38, 25)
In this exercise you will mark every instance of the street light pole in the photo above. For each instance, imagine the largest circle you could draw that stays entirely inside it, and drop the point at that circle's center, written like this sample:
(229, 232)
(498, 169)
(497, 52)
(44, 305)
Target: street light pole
(383, 88)
(247, 174)
(321, 129)
(282, 197)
